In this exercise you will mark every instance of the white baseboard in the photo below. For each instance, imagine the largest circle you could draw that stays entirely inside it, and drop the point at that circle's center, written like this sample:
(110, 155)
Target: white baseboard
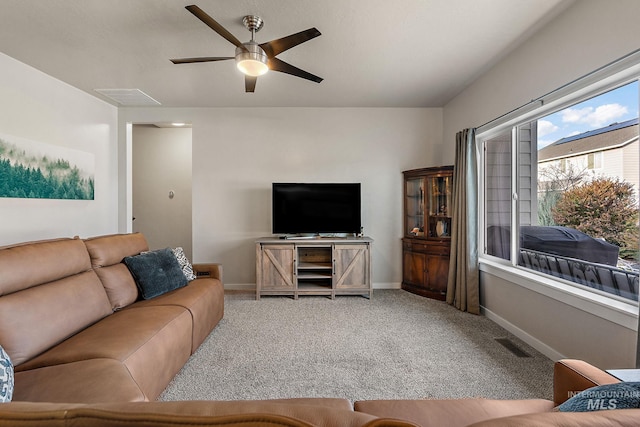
(252, 286)
(386, 285)
(240, 287)
(523, 335)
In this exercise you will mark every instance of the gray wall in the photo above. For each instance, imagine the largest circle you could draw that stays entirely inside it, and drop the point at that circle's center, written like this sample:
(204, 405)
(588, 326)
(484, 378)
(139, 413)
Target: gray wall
(238, 153)
(586, 36)
(39, 108)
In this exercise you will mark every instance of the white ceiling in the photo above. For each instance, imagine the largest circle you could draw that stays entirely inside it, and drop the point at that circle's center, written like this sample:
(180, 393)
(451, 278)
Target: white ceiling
(372, 53)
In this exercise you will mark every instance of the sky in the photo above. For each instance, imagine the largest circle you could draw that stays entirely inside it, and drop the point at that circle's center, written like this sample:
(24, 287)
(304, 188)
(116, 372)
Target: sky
(615, 106)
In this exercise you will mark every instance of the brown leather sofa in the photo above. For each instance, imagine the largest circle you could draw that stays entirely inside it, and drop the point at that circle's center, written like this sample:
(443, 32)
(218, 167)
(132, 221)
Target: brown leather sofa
(570, 377)
(75, 329)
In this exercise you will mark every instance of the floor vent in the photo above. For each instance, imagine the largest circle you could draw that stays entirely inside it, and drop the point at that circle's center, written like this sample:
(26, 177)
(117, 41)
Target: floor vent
(509, 345)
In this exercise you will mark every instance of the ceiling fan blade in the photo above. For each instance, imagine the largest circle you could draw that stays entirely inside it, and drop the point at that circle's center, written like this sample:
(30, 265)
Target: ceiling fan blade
(203, 59)
(250, 83)
(274, 47)
(276, 64)
(201, 15)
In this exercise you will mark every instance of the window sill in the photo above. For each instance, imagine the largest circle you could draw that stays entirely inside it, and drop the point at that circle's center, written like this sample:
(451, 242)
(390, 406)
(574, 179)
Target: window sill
(620, 312)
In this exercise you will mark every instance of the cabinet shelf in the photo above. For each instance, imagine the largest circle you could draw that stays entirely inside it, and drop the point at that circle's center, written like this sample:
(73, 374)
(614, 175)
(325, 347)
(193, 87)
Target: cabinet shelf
(314, 265)
(307, 286)
(305, 275)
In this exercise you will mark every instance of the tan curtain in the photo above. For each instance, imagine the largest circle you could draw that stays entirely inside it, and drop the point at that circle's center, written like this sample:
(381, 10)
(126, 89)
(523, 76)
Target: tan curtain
(463, 286)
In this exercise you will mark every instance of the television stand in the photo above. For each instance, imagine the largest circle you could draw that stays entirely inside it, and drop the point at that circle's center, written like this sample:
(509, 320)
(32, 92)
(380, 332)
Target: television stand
(313, 266)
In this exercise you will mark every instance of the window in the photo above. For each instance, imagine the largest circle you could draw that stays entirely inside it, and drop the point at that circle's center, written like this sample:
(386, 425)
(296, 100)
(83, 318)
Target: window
(560, 190)
(594, 160)
(497, 192)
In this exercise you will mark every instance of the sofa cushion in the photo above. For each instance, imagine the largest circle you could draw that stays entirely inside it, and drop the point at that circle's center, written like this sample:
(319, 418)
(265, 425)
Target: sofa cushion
(107, 253)
(153, 343)
(156, 272)
(92, 417)
(86, 381)
(119, 285)
(623, 395)
(450, 412)
(38, 318)
(30, 264)
(111, 249)
(617, 418)
(204, 298)
(318, 412)
(6, 377)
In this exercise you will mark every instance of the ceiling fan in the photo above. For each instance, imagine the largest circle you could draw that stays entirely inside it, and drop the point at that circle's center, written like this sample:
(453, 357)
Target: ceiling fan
(255, 59)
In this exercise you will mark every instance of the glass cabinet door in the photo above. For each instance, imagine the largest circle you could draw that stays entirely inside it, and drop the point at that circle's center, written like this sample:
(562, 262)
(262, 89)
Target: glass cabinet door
(439, 206)
(414, 203)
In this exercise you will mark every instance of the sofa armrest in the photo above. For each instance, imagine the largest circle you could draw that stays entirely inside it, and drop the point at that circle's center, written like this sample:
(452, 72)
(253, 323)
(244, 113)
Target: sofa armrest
(572, 376)
(213, 270)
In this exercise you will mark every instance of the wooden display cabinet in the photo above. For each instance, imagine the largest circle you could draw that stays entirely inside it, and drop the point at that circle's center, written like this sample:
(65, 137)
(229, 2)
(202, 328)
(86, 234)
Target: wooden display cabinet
(426, 244)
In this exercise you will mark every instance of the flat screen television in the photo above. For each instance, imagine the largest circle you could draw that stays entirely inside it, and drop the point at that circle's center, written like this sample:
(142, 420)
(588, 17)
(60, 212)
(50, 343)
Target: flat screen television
(315, 208)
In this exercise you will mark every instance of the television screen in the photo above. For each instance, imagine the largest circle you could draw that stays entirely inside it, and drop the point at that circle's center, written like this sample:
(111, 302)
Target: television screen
(318, 208)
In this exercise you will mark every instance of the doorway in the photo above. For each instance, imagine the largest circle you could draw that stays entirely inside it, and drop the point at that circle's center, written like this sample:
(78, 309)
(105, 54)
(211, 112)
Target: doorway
(161, 185)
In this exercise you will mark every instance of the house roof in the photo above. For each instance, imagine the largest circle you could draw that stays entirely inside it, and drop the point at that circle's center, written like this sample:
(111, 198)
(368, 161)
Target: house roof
(612, 136)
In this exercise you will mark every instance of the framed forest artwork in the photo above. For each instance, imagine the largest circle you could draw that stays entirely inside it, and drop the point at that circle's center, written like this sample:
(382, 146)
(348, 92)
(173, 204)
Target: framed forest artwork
(36, 170)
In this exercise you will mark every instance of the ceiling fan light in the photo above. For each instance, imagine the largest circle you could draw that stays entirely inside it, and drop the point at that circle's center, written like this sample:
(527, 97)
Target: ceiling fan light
(252, 67)
(251, 60)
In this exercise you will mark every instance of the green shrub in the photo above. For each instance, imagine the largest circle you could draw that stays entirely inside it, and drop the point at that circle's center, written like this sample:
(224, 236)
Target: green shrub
(602, 208)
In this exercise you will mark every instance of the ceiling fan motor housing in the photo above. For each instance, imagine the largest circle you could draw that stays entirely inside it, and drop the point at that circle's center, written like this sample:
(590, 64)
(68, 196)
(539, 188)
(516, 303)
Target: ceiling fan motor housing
(251, 59)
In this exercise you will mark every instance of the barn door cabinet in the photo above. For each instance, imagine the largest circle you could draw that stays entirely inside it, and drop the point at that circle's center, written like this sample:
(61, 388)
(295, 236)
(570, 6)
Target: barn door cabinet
(313, 267)
(426, 244)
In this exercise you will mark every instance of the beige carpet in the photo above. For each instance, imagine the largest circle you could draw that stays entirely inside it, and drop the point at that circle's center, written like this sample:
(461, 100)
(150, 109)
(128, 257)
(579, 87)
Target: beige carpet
(396, 346)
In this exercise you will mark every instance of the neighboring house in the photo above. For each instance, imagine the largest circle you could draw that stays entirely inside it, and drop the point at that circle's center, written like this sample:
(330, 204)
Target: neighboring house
(610, 151)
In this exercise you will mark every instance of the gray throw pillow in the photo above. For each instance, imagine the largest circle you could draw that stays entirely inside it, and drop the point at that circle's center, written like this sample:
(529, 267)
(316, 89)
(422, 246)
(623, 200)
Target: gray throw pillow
(156, 272)
(610, 396)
